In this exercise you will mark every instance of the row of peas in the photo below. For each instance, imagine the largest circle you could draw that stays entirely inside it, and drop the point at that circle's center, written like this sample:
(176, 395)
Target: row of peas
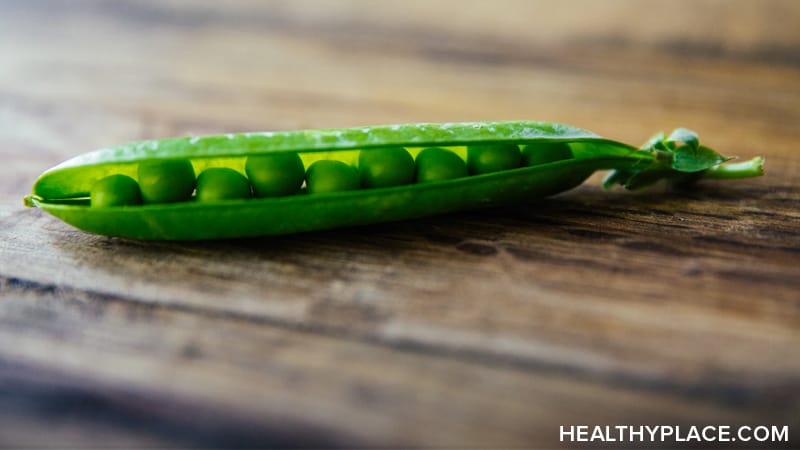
(283, 174)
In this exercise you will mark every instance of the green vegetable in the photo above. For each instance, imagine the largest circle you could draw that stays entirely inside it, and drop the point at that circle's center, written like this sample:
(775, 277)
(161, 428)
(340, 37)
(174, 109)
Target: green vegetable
(392, 166)
(221, 183)
(545, 152)
(115, 190)
(438, 164)
(166, 174)
(488, 158)
(331, 176)
(275, 175)
(166, 181)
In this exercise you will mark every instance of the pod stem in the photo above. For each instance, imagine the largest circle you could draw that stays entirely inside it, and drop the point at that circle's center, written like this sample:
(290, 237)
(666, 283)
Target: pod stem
(745, 169)
(681, 159)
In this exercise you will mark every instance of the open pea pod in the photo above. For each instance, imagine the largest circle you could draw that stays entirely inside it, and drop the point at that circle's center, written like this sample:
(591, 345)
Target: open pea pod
(65, 190)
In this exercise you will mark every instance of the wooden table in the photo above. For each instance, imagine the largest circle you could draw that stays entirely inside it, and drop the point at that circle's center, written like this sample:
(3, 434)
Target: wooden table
(477, 329)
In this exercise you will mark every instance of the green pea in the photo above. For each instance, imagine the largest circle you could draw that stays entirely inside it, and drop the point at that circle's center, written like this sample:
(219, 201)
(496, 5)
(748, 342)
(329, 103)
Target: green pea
(488, 158)
(221, 183)
(166, 181)
(275, 175)
(438, 164)
(115, 190)
(331, 176)
(545, 152)
(392, 166)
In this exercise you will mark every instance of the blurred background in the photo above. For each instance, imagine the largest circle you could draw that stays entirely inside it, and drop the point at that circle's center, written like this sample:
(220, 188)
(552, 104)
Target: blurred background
(484, 329)
(148, 69)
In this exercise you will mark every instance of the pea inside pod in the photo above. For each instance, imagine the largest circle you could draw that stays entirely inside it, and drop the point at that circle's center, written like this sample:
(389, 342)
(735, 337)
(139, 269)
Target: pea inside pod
(275, 175)
(331, 176)
(221, 183)
(454, 166)
(115, 190)
(439, 164)
(392, 166)
(488, 158)
(545, 152)
(166, 181)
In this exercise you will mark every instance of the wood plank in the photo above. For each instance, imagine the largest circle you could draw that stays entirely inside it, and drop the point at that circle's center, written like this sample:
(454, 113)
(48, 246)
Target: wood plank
(152, 358)
(83, 413)
(680, 288)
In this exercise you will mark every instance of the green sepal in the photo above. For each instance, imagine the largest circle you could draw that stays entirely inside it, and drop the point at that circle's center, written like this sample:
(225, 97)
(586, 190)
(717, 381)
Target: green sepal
(653, 141)
(688, 159)
(683, 136)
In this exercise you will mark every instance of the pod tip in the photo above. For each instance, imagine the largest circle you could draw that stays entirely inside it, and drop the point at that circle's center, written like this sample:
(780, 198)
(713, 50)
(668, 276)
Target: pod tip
(28, 201)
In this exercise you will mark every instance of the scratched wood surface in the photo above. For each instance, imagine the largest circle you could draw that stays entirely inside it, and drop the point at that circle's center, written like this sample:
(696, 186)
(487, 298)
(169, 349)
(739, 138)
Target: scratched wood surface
(479, 329)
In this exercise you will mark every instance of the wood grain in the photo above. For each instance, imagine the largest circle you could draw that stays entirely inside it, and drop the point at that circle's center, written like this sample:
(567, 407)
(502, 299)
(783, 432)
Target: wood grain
(482, 329)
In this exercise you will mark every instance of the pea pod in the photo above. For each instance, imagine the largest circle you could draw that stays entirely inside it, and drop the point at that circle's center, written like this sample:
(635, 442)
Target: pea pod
(65, 190)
